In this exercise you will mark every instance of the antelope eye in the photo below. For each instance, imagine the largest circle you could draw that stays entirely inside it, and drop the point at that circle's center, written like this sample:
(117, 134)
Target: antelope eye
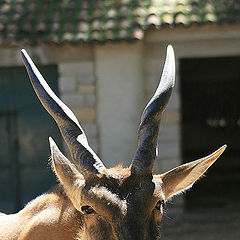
(87, 209)
(159, 204)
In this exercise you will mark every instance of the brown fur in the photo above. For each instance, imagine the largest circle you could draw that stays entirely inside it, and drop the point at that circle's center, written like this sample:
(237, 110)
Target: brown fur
(50, 216)
(124, 204)
(117, 172)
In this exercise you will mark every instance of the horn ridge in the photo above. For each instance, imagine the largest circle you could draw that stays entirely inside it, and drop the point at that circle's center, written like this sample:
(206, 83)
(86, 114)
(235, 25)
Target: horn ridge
(145, 156)
(83, 156)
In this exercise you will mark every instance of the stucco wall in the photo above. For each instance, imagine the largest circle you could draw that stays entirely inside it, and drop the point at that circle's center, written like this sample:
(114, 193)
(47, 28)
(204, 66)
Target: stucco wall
(119, 72)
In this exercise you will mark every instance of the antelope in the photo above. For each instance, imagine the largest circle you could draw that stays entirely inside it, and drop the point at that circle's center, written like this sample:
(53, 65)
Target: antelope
(92, 202)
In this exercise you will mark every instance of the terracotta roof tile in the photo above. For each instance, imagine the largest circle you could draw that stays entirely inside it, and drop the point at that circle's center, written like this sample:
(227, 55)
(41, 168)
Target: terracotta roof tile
(57, 21)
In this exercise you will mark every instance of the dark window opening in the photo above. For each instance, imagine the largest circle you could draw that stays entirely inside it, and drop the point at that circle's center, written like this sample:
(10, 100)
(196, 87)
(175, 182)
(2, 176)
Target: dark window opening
(210, 100)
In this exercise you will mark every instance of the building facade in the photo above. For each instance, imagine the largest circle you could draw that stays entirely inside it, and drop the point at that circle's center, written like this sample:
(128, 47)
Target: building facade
(108, 68)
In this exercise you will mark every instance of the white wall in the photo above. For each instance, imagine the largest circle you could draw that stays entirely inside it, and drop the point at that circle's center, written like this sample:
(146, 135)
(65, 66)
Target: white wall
(120, 100)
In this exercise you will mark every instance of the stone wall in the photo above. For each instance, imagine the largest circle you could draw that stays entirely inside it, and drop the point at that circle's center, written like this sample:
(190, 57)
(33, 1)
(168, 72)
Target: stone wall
(77, 85)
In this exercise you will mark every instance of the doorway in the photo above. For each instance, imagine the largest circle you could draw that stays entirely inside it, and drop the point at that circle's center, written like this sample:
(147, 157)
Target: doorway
(210, 101)
(25, 127)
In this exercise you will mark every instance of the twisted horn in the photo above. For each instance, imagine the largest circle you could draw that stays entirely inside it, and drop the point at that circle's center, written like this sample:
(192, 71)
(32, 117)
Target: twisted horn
(145, 156)
(83, 156)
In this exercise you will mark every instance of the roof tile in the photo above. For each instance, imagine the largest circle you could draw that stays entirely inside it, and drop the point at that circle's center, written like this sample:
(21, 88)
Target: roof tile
(57, 21)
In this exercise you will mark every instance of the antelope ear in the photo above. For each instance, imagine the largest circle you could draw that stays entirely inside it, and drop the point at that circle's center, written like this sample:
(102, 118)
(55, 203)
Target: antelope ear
(183, 177)
(67, 173)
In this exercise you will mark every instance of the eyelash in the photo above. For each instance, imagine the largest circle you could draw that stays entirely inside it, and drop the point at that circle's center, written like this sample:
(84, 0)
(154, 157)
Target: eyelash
(87, 209)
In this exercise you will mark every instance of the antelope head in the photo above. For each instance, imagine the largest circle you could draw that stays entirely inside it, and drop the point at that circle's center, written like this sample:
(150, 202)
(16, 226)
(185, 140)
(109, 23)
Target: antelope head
(117, 203)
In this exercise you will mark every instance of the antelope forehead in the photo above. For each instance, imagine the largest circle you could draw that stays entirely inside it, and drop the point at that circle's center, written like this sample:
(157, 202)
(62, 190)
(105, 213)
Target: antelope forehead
(113, 198)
